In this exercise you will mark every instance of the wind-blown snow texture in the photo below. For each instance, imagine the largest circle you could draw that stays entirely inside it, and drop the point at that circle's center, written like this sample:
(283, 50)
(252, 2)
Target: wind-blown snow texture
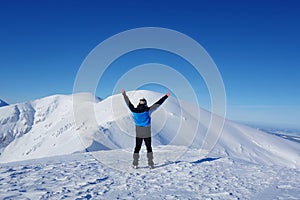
(245, 163)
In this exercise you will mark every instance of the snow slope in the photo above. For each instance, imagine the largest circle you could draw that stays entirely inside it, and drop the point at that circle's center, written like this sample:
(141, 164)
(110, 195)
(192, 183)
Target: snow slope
(81, 176)
(47, 127)
(48, 141)
(39, 128)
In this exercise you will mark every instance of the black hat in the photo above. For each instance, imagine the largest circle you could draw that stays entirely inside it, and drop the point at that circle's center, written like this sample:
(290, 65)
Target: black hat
(143, 101)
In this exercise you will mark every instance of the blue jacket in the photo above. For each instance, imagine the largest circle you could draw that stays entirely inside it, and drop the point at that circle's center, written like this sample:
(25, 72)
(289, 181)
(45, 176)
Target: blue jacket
(142, 113)
(142, 119)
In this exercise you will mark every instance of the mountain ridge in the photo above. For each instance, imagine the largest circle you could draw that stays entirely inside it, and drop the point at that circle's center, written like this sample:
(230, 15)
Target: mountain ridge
(47, 127)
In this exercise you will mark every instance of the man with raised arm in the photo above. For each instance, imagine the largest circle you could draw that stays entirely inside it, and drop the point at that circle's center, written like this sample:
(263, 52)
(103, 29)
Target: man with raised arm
(142, 118)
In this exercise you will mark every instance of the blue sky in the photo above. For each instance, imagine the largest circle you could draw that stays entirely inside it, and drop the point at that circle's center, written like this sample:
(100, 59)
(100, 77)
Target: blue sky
(255, 45)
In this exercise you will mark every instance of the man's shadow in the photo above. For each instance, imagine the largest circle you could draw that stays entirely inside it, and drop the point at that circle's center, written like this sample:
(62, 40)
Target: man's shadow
(195, 162)
(205, 160)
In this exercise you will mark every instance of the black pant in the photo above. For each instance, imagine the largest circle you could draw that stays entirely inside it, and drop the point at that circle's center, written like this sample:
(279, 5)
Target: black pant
(138, 144)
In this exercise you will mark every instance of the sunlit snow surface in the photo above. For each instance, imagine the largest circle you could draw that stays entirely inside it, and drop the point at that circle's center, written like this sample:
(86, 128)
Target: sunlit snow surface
(82, 176)
(43, 154)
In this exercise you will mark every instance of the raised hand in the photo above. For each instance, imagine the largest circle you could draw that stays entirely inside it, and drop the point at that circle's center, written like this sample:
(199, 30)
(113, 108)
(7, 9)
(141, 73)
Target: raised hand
(122, 91)
(168, 94)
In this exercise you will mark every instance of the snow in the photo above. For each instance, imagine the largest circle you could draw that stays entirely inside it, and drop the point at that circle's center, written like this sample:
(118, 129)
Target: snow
(44, 143)
(81, 176)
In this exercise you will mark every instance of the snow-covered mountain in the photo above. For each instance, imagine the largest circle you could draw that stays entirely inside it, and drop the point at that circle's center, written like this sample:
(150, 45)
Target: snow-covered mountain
(245, 163)
(3, 103)
(47, 127)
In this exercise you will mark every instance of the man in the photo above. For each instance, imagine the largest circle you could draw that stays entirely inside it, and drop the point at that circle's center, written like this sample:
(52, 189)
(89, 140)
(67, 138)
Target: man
(142, 119)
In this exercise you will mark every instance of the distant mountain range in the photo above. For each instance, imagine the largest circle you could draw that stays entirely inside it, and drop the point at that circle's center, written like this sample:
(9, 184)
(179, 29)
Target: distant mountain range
(47, 127)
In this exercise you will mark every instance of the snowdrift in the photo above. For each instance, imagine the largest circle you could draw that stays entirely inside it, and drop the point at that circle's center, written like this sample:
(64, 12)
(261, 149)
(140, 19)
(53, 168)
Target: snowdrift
(54, 126)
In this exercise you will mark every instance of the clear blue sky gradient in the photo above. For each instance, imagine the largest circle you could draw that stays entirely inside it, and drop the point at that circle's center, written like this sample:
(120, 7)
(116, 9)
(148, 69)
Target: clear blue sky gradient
(255, 44)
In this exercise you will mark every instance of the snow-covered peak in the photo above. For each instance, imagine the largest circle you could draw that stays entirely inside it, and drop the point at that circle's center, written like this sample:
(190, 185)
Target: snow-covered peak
(55, 125)
(86, 97)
